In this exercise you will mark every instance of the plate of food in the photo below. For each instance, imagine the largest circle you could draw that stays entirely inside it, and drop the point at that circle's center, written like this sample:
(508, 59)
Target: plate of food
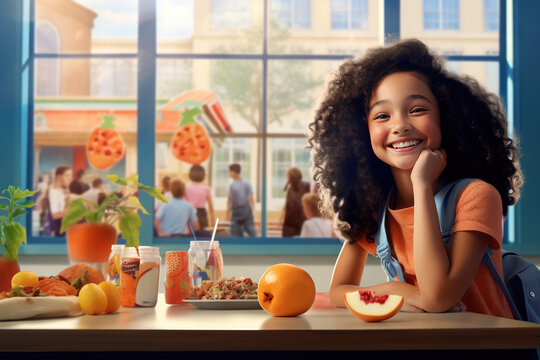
(225, 294)
(41, 297)
(232, 304)
(51, 297)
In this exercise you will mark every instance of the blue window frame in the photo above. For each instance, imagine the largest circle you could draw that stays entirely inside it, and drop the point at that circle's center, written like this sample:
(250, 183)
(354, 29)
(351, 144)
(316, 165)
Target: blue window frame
(441, 14)
(349, 14)
(147, 58)
(295, 14)
(491, 15)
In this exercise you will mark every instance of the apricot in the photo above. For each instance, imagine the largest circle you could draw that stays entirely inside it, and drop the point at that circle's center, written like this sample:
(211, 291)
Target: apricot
(24, 278)
(113, 296)
(286, 290)
(93, 299)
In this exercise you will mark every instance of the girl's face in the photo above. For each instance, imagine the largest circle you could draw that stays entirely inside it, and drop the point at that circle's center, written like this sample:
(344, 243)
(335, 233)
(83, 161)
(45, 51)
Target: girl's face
(403, 119)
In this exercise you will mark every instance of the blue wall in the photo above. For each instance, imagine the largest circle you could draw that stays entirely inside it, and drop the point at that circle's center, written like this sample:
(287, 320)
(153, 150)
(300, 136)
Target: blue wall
(527, 115)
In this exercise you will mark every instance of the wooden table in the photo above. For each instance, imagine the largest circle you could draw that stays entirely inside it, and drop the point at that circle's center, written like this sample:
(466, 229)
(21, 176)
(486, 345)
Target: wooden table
(185, 328)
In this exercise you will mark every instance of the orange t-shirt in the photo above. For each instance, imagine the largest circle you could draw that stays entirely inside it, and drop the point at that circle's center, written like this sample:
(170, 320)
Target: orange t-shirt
(478, 208)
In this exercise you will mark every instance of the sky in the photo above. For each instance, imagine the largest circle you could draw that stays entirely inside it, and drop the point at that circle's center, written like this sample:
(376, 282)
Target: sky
(118, 18)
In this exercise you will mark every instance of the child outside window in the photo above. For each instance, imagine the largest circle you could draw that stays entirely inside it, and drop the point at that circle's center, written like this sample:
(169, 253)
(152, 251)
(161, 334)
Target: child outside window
(315, 225)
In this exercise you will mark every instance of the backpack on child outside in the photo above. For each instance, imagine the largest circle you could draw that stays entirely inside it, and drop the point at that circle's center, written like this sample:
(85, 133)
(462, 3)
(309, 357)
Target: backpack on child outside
(521, 284)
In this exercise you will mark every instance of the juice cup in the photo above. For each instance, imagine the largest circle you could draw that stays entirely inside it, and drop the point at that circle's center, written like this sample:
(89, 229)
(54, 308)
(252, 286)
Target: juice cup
(178, 282)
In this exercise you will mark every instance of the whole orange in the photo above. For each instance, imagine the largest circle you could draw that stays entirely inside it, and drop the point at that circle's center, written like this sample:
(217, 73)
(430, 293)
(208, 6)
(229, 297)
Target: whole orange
(8, 268)
(286, 290)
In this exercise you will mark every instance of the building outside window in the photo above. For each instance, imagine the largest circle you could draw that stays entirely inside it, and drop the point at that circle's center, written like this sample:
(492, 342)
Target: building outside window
(349, 14)
(292, 14)
(231, 14)
(47, 41)
(441, 14)
(114, 78)
(491, 15)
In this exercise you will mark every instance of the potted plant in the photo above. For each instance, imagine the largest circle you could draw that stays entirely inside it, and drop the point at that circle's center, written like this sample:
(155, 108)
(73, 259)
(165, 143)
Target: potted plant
(12, 233)
(90, 228)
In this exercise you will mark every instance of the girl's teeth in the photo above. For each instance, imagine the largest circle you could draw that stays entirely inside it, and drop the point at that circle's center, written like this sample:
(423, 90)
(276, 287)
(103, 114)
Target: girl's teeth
(405, 144)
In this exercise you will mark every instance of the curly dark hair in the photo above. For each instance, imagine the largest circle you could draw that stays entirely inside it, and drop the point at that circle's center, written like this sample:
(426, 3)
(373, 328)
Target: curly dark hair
(354, 183)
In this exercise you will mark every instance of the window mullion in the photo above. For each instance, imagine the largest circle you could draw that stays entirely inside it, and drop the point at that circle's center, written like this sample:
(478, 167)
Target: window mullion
(146, 99)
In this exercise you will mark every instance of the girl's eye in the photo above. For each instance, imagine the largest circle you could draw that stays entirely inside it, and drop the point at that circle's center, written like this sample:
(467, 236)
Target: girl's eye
(380, 117)
(417, 110)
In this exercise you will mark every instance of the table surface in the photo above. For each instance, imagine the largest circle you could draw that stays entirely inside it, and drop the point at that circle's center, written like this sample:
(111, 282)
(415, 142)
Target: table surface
(323, 327)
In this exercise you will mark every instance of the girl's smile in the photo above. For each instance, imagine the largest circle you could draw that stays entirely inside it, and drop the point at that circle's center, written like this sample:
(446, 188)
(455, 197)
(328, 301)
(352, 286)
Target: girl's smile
(403, 120)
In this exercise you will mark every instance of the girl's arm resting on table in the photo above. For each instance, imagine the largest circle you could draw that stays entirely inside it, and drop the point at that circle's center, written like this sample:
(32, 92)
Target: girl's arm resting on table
(348, 274)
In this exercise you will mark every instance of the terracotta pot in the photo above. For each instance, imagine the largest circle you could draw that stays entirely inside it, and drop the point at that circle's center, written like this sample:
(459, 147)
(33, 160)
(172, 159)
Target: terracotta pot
(8, 268)
(90, 242)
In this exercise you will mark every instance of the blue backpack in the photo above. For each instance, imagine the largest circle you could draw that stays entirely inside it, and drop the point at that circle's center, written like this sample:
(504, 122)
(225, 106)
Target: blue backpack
(521, 284)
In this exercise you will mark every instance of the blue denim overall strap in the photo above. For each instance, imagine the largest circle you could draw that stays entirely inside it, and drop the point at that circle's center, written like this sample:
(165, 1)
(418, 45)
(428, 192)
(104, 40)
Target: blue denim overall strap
(445, 202)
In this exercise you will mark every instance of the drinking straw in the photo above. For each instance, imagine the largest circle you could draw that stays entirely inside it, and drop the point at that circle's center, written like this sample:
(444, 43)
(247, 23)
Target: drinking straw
(193, 232)
(212, 240)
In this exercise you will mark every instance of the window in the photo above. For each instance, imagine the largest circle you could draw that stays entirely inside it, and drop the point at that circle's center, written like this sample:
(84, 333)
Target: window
(231, 14)
(292, 14)
(266, 94)
(491, 15)
(441, 14)
(349, 14)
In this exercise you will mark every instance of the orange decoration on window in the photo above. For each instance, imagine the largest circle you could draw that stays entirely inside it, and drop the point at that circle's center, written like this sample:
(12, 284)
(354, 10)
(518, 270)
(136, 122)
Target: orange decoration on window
(191, 143)
(105, 146)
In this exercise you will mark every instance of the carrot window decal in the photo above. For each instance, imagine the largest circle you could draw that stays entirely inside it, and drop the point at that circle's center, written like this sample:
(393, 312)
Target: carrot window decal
(191, 142)
(105, 146)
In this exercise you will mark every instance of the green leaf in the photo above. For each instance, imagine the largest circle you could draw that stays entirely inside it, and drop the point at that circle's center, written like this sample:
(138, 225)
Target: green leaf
(2, 234)
(114, 178)
(129, 226)
(18, 194)
(97, 215)
(76, 211)
(134, 201)
(4, 206)
(156, 193)
(133, 181)
(17, 212)
(26, 204)
(2, 217)
(15, 235)
(79, 282)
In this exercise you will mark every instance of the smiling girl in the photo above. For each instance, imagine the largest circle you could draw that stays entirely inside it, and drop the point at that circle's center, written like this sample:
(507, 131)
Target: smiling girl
(396, 125)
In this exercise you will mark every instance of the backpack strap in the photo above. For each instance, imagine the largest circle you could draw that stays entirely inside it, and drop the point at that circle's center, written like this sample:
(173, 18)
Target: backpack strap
(445, 201)
(486, 259)
(391, 266)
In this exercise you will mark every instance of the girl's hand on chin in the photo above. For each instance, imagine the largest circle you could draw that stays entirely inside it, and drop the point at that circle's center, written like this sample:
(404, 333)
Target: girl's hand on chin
(428, 167)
